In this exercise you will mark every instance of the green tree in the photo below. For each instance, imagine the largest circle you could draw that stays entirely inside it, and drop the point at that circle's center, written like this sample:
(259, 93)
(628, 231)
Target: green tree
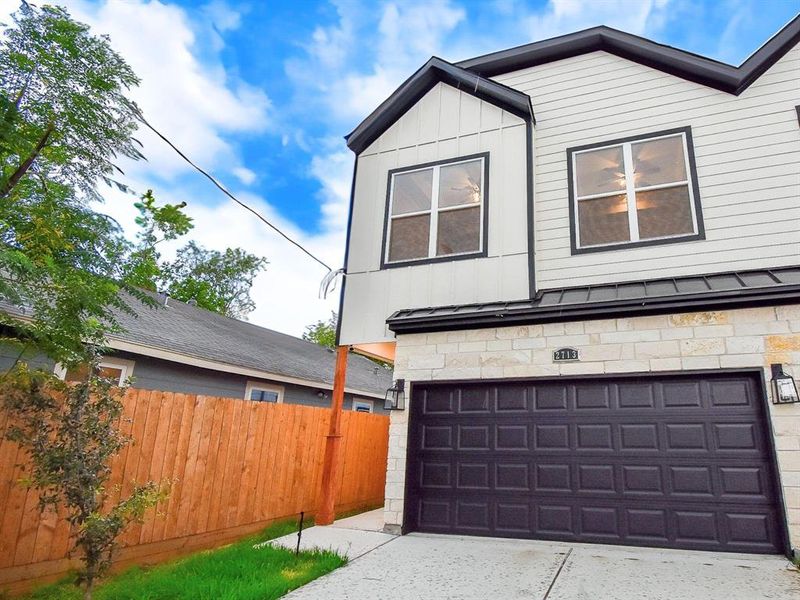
(65, 113)
(157, 224)
(322, 332)
(53, 420)
(64, 119)
(217, 281)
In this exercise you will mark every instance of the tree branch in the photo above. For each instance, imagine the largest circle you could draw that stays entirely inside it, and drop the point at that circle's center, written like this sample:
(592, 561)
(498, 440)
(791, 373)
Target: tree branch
(26, 164)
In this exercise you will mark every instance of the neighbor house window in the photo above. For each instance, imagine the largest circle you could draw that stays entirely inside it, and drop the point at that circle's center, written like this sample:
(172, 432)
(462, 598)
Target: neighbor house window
(437, 211)
(263, 392)
(115, 369)
(637, 191)
(361, 405)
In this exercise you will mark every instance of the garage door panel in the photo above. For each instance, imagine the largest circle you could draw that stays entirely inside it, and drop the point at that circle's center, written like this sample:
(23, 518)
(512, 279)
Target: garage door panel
(680, 479)
(512, 477)
(672, 398)
(648, 525)
(736, 528)
(680, 462)
(683, 479)
(513, 517)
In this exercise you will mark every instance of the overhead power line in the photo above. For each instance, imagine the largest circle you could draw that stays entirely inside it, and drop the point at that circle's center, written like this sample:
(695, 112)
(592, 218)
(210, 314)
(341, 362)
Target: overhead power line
(230, 195)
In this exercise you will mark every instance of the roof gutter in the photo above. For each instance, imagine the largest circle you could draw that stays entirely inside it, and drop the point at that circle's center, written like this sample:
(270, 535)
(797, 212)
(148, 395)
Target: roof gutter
(170, 355)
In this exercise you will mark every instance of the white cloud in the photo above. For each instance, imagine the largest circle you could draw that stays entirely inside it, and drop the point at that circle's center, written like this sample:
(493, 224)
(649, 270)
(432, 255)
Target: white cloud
(286, 293)
(187, 93)
(243, 174)
(397, 38)
(195, 103)
(566, 16)
(334, 171)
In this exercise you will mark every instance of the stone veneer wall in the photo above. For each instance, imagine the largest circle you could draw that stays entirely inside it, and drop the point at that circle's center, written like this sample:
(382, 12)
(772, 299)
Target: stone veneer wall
(728, 339)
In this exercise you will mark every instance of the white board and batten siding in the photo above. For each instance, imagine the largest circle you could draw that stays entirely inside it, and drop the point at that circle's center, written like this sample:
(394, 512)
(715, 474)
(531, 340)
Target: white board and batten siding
(747, 150)
(443, 124)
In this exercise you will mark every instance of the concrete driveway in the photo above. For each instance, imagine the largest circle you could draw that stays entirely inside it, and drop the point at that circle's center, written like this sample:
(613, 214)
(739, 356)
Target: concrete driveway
(437, 567)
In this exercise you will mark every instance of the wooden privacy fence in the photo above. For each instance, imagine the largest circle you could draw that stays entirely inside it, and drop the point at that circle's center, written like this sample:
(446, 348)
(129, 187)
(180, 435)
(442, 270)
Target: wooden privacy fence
(237, 466)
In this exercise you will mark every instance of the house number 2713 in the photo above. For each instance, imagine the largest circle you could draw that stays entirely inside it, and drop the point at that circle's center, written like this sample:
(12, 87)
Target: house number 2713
(565, 355)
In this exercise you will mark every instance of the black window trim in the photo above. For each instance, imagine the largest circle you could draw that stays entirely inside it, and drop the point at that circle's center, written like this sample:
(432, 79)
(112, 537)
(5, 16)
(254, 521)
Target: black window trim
(701, 232)
(482, 253)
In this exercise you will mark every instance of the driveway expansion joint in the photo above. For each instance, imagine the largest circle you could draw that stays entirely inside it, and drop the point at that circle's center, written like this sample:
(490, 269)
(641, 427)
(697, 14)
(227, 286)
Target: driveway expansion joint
(567, 554)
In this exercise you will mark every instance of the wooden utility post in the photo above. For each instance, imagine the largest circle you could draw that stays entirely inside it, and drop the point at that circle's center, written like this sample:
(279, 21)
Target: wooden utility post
(333, 445)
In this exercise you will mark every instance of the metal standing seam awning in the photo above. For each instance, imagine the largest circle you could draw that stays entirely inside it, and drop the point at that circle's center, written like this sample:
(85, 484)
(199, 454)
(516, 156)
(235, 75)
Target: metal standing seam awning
(733, 289)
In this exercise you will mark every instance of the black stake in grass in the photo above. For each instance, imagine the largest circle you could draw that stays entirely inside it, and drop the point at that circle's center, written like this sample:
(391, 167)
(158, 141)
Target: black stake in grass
(299, 533)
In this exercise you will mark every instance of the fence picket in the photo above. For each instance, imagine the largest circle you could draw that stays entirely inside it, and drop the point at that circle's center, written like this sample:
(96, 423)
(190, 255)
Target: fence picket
(239, 466)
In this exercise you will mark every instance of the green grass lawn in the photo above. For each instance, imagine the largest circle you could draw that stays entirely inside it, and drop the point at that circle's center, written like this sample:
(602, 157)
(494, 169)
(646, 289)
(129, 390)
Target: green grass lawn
(235, 572)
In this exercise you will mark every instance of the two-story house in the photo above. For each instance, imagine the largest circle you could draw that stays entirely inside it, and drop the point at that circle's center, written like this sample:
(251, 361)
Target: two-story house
(587, 253)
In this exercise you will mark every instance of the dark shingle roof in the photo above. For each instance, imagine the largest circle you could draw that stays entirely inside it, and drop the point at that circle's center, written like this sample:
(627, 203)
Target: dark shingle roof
(196, 332)
(653, 296)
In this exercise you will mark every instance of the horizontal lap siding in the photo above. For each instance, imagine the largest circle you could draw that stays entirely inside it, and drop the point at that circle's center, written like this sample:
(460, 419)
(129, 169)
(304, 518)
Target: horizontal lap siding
(236, 467)
(747, 150)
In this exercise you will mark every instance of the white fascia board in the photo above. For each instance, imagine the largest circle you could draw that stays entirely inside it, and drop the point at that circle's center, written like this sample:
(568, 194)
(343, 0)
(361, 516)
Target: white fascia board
(160, 353)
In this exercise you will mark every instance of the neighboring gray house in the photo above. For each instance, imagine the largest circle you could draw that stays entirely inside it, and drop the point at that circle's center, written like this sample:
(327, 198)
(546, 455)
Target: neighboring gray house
(587, 252)
(178, 347)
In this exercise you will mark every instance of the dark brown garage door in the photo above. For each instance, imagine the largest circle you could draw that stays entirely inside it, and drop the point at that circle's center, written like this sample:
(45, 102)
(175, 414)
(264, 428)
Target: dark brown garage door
(681, 462)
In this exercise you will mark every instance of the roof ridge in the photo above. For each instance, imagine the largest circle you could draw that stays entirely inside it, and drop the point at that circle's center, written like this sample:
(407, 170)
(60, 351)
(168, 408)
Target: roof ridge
(220, 316)
(600, 29)
(671, 59)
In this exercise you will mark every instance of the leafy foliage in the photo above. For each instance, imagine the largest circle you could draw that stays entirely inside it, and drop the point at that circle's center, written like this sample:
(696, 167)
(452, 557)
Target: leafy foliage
(322, 332)
(65, 113)
(70, 433)
(59, 260)
(157, 224)
(217, 281)
(64, 118)
(64, 121)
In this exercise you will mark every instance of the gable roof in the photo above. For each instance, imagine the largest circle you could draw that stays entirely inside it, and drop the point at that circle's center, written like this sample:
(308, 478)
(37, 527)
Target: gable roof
(471, 76)
(187, 334)
(420, 83)
(733, 289)
(195, 333)
(674, 61)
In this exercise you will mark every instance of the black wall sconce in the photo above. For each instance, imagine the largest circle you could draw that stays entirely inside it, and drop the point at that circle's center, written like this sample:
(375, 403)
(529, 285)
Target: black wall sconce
(783, 387)
(395, 398)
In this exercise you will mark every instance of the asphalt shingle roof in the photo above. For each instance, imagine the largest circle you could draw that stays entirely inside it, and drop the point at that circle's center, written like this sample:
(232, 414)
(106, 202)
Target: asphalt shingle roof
(190, 330)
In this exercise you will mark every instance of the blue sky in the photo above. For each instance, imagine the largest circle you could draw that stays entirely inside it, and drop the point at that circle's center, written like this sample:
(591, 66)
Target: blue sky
(261, 93)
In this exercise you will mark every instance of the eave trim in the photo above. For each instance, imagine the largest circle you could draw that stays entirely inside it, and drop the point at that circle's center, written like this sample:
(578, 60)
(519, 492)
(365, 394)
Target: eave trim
(683, 64)
(415, 87)
(203, 363)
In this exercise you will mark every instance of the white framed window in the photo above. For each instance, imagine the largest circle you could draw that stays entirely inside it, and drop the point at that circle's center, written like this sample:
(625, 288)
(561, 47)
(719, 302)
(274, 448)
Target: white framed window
(116, 369)
(636, 191)
(363, 405)
(263, 392)
(436, 211)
